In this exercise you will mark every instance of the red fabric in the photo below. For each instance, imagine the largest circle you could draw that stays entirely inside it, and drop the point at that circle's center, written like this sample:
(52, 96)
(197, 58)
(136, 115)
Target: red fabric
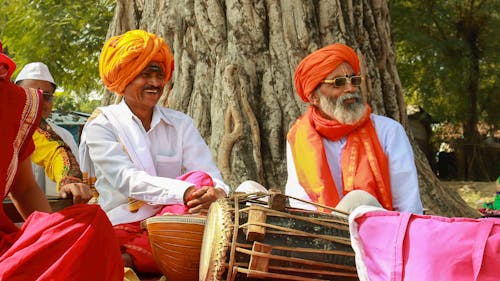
(75, 243)
(316, 66)
(20, 113)
(7, 66)
(364, 164)
(134, 240)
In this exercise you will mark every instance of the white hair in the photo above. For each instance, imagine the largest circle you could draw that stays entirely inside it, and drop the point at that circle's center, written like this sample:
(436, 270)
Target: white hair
(336, 108)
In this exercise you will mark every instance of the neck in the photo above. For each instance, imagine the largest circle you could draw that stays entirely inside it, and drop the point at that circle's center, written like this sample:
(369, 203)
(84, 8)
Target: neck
(144, 114)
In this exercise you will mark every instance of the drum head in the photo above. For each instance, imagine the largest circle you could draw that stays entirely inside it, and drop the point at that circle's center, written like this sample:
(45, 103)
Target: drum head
(216, 241)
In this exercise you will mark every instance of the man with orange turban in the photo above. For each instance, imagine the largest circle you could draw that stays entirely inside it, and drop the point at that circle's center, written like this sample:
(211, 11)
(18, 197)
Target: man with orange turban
(147, 159)
(339, 154)
(64, 245)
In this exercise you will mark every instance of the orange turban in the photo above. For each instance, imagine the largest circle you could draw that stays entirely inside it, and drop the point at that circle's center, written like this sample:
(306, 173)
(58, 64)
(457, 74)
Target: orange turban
(124, 56)
(316, 66)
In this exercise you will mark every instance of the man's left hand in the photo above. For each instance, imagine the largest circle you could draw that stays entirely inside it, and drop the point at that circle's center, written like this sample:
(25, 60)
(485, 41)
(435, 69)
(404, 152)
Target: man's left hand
(201, 198)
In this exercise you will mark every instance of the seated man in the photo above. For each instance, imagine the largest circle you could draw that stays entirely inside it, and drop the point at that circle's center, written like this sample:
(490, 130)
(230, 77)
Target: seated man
(73, 244)
(55, 148)
(138, 150)
(339, 148)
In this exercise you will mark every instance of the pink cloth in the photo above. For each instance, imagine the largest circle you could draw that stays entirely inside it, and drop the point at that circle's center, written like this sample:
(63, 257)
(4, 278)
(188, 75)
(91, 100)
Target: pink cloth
(199, 179)
(402, 246)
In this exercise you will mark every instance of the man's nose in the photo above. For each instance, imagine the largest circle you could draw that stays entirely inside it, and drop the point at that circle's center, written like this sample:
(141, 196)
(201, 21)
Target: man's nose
(156, 81)
(349, 88)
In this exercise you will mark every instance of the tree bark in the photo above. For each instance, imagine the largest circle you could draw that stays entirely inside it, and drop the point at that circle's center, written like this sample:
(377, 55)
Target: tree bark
(234, 66)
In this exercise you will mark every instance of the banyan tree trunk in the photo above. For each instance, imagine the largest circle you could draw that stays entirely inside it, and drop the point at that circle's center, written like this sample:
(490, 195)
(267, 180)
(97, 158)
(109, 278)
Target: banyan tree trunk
(234, 66)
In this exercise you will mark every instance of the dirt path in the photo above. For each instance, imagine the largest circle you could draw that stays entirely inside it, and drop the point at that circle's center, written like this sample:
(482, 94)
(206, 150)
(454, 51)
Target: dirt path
(473, 193)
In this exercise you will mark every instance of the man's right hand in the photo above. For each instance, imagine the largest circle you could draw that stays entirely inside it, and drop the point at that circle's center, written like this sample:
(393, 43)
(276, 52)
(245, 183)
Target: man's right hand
(80, 192)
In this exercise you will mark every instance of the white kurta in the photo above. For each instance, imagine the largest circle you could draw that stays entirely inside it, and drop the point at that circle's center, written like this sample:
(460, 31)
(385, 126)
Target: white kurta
(48, 185)
(173, 145)
(402, 170)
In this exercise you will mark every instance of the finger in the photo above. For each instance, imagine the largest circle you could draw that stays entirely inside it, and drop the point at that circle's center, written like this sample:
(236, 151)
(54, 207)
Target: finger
(63, 194)
(77, 199)
(195, 202)
(199, 192)
(197, 209)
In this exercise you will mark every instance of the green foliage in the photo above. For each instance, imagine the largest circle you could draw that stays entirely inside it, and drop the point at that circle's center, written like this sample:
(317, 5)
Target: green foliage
(436, 44)
(64, 34)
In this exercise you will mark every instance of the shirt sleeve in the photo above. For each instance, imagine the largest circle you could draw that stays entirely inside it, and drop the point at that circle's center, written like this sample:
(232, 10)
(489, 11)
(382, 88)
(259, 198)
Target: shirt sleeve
(197, 155)
(113, 164)
(403, 172)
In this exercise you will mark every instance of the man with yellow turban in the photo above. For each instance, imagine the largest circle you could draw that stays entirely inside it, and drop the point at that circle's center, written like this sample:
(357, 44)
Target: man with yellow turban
(339, 154)
(147, 159)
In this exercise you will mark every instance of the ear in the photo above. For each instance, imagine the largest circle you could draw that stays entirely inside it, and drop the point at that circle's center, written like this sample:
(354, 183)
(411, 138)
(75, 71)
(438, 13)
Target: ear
(314, 98)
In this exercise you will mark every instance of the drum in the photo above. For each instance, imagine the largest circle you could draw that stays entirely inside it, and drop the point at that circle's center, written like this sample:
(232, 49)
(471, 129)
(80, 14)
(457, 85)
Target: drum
(244, 241)
(176, 244)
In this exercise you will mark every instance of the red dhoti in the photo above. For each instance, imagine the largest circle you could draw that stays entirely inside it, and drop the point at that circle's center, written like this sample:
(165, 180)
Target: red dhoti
(76, 243)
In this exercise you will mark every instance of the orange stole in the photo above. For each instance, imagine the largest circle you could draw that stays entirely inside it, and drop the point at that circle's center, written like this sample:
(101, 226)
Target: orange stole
(364, 164)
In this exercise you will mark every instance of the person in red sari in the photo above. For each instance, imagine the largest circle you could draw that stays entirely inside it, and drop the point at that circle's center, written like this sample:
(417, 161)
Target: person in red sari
(76, 243)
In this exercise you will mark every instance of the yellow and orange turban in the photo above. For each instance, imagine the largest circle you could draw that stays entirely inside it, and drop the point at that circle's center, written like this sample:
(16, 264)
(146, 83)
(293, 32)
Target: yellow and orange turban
(124, 56)
(316, 66)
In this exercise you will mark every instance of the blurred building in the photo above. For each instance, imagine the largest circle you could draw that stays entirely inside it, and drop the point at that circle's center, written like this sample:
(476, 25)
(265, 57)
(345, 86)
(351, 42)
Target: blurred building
(71, 121)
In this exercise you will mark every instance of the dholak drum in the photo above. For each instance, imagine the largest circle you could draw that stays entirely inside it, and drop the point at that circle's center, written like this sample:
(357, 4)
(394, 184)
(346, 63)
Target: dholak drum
(176, 244)
(244, 241)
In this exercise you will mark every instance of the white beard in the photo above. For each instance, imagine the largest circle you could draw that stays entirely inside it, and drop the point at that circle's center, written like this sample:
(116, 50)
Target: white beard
(345, 114)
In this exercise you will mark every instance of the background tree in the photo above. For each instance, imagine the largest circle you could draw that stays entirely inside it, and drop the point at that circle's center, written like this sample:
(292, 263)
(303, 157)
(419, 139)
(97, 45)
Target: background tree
(234, 70)
(449, 57)
(66, 35)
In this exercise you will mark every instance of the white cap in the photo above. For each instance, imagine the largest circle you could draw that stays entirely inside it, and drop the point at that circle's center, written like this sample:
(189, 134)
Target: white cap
(35, 71)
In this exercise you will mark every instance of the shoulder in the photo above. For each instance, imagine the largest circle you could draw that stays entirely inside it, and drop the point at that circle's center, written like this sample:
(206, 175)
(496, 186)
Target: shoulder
(389, 131)
(173, 117)
(383, 123)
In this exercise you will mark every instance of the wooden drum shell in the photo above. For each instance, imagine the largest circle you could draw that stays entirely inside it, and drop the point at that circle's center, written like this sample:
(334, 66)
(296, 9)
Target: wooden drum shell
(176, 244)
(297, 244)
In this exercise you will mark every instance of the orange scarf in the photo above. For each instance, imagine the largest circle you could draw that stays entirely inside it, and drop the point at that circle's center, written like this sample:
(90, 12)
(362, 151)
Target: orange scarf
(364, 164)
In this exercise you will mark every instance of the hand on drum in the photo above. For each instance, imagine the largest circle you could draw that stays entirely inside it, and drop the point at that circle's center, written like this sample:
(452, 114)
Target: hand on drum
(199, 199)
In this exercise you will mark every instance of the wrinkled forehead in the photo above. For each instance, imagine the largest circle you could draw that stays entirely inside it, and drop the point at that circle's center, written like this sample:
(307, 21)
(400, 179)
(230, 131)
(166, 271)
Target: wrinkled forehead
(153, 67)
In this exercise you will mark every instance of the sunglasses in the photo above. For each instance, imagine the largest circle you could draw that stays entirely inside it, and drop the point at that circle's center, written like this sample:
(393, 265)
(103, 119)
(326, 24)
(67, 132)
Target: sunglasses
(342, 81)
(48, 96)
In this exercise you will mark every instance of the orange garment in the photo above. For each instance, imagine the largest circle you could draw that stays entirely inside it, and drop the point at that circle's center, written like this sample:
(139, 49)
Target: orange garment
(316, 66)
(124, 56)
(364, 164)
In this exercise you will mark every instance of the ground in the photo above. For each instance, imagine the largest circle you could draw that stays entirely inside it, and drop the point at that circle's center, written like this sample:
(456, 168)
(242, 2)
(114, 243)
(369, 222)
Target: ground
(473, 193)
